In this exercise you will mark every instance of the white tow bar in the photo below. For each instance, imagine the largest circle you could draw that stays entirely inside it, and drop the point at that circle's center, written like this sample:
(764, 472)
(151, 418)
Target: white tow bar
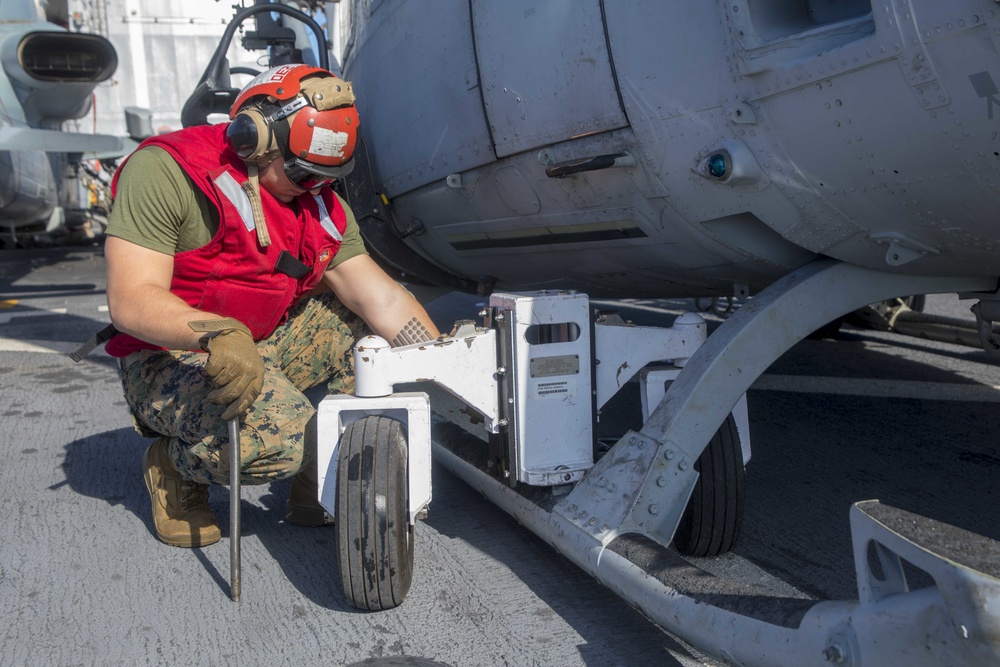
(523, 393)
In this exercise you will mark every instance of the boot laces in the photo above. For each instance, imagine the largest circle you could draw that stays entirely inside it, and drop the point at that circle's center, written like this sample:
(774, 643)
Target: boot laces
(193, 495)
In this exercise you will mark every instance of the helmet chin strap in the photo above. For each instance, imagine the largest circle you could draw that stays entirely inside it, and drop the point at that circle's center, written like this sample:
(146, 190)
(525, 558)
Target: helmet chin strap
(252, 189)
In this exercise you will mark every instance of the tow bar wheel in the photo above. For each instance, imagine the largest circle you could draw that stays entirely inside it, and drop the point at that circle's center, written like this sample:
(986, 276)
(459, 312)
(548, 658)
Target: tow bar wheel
(374, 535)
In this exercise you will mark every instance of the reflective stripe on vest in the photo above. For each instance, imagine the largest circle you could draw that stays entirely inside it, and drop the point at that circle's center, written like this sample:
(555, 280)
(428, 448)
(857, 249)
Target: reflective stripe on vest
(325, 220)
(239, 199)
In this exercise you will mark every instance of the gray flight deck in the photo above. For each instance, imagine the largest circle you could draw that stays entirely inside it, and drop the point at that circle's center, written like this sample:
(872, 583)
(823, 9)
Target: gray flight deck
(83, 580)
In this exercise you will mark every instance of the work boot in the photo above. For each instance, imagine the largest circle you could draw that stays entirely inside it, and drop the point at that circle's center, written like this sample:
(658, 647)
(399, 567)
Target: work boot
(181, 513)
(302, 507)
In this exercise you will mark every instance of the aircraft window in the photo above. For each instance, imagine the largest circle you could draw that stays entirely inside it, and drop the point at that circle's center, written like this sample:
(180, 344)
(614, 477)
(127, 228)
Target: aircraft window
(773, 19)
(830, 11)
(544, 334)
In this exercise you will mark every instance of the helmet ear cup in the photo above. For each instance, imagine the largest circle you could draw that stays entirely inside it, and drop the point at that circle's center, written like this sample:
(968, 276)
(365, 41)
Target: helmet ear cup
(250, 135)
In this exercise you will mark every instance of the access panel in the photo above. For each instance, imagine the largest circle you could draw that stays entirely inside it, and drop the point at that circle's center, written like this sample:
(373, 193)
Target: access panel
(418, 94)
(545, 72)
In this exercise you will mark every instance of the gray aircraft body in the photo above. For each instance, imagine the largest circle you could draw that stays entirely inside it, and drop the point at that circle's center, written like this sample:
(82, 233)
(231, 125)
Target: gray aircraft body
(660, 148)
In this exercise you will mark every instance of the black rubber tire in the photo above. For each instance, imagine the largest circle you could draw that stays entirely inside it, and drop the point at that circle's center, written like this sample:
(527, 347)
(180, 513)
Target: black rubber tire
(713, 518)
(828, 330)
(374, 535)
(916, 302)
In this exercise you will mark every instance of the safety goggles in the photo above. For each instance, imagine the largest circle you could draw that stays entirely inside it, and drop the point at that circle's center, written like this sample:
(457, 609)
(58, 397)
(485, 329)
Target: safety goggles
(309, 176)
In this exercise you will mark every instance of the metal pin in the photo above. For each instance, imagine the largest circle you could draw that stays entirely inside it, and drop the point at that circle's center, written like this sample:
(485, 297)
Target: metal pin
(234, 509)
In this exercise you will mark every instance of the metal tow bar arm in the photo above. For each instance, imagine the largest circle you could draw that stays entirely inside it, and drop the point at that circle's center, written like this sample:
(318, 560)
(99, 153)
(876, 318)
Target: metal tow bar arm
(642, 484)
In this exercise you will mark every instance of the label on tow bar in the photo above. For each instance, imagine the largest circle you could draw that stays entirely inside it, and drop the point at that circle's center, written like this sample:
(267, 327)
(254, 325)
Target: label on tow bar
(543, 367)
(549, 376)
(553, 389)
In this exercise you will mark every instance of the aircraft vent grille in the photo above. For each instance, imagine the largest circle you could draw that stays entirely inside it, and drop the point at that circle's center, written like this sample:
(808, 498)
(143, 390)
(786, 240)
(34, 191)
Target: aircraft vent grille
(50, 56)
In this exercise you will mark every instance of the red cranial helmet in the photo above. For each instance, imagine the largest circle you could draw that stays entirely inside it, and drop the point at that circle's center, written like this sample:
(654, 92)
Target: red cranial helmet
(305, 113)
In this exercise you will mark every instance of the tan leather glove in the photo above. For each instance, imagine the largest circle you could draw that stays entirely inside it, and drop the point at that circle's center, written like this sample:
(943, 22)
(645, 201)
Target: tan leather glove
(234, 364)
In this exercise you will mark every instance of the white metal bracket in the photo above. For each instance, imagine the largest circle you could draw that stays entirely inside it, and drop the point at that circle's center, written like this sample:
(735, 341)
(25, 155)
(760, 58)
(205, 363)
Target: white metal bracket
(622, 350)
(464, 363)
(605, 504)
(411, 408)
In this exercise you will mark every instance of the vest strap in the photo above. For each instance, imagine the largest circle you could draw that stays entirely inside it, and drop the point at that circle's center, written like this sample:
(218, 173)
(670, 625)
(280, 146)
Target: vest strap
(291, 267)
(252, 188)
(101, 336)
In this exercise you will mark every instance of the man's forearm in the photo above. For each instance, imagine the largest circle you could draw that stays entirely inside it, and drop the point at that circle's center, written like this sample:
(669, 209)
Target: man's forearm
(156, 316)
(139, 297)
(389, 310)
(414, 332)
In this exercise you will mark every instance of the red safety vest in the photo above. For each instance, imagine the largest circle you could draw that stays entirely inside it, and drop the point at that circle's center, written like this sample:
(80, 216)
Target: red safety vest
(233, 276)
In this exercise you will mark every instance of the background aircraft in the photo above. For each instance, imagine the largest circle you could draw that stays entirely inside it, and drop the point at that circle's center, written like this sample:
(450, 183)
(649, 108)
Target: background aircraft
(61, 109)
(49, 178)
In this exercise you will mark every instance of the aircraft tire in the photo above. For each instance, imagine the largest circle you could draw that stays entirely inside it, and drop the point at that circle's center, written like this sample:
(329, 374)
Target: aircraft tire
(916, 302)
(828, 330)
(710, 525)
(374, 535)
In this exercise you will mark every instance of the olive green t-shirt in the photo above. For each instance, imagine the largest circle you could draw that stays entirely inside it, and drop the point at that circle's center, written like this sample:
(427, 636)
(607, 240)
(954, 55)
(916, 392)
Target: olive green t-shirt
(157, 206)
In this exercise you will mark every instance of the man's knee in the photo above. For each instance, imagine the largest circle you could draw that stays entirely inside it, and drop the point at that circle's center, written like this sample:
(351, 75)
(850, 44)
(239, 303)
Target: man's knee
(278, 462)
(265, 456)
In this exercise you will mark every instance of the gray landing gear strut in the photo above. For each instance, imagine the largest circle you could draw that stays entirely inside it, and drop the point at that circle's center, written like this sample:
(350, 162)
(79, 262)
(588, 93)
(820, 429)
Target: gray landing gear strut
(643, 484)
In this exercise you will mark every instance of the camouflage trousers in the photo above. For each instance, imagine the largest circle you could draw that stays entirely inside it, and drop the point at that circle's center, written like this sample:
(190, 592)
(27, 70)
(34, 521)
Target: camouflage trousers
(166, 391)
